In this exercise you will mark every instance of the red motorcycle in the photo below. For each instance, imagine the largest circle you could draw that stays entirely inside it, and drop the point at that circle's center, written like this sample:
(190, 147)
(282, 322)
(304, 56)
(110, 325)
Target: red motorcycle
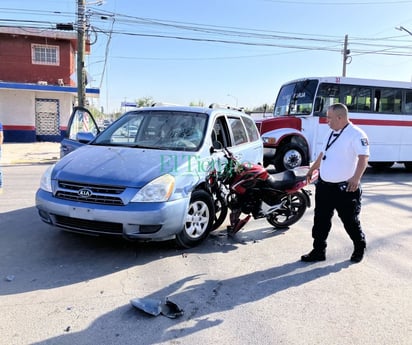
(254, 191)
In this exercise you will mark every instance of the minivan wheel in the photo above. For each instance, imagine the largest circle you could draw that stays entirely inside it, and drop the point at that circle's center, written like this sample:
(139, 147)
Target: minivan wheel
(199, 220)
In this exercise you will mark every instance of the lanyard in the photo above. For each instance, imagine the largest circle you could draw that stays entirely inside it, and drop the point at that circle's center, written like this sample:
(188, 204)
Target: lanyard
(336, 136)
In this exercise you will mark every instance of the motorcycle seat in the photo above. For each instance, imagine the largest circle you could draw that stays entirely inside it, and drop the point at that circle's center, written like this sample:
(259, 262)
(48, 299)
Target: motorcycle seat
(284, 180)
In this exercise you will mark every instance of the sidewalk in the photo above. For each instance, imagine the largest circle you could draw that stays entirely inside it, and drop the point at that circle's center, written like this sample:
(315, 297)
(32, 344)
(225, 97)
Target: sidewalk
(32, 153)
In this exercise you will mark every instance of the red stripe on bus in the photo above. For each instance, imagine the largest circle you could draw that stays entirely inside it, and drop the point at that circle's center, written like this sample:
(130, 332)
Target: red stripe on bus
(26, 128)
(18, 128)
(371, 122)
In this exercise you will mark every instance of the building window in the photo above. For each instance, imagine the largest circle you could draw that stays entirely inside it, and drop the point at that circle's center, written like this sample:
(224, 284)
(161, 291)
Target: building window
(45, 54)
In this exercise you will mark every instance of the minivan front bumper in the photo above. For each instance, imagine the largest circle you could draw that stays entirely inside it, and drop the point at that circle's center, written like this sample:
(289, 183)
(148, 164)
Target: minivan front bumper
(143, 221)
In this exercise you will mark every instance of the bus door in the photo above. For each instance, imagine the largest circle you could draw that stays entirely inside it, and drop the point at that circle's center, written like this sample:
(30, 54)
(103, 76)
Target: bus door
(383, 125)
(405, 154)
(327, 94)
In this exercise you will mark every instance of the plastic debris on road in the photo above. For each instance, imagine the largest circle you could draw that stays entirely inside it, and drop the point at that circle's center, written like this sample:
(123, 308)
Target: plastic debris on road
(156, 307)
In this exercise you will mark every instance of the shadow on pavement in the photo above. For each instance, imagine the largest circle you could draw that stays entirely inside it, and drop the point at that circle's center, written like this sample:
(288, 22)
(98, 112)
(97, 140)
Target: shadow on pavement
(199, 300)
(35, 256)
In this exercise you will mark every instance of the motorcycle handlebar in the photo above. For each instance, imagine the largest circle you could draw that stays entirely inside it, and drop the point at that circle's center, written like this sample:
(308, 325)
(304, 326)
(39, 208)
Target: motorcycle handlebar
(227, 153)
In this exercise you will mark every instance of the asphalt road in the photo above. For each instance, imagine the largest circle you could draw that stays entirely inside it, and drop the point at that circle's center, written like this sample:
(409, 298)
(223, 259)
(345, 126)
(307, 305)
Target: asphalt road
(61, 288)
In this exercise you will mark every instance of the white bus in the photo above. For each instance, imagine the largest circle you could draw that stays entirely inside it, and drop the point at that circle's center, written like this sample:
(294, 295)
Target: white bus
(383, 109)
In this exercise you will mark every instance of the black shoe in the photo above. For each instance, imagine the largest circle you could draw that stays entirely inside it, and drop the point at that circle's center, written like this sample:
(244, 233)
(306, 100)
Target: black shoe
(357, 254)
(314, 255)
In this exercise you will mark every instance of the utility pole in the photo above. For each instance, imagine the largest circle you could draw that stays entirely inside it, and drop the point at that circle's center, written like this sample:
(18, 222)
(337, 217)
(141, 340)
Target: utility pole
(346, 53)
(81, 31)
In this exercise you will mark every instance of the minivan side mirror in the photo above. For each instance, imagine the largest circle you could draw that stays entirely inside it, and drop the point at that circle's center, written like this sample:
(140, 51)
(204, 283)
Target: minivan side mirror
(84, 137)
(216, 145)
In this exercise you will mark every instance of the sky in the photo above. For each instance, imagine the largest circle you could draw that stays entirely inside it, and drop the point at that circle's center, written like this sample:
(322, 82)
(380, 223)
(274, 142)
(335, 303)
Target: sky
(234, 52)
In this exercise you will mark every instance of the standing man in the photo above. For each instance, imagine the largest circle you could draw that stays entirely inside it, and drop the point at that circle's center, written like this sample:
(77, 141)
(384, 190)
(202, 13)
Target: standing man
(341, 165)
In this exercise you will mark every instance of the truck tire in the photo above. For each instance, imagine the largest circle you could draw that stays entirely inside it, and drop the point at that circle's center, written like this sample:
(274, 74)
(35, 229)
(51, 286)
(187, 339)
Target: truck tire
(289, 156)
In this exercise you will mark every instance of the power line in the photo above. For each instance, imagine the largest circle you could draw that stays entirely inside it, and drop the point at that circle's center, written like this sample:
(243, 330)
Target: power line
(212, 30)
(340, 3)
(185, 31)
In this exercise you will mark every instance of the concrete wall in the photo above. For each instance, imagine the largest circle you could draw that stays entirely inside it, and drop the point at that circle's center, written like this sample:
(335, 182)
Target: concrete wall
(18, 113)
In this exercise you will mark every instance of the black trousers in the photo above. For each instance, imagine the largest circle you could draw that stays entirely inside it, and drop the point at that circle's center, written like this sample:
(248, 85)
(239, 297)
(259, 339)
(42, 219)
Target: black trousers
(328, 198)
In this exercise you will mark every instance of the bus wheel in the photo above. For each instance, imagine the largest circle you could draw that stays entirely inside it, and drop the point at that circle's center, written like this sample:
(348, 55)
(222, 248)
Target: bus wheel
(288, 157)
(381, 165)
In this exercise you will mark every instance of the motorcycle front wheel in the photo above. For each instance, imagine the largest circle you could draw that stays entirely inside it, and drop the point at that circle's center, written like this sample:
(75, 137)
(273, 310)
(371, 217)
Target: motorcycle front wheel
(293, 207)
(221, 210)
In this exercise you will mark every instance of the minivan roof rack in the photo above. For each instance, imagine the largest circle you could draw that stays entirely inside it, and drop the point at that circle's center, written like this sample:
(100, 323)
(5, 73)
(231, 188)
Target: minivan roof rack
(224, 106)
(164, 104)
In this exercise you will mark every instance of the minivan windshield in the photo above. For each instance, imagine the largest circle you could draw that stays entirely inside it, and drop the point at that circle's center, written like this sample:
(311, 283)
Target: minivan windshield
(296, 98)
(160, 129)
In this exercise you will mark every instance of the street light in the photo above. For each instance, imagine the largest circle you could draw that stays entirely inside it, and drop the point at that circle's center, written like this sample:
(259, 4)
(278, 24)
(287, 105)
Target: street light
(401, 28)
(234, 98)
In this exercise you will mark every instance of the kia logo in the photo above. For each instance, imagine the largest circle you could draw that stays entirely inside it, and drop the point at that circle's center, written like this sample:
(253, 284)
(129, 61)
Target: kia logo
(85, 193)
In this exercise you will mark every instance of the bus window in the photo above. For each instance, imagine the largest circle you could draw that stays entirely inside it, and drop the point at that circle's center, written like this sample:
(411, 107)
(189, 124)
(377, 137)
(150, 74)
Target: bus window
(364, 99)
(328, 94)
(390, 100)
(357, 98)
(296, 98)
(349, 95)
(408, 102)
(283, 100)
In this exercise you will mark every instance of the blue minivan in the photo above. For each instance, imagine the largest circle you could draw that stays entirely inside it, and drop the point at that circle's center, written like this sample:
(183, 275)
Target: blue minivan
(144, 176)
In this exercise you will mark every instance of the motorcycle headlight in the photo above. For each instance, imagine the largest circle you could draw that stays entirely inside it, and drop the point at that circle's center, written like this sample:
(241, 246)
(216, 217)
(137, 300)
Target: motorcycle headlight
(45, 182)
(158, 190)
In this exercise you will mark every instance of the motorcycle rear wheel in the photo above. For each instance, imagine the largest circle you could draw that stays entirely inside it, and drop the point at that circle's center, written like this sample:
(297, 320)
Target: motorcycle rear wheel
(293, 208)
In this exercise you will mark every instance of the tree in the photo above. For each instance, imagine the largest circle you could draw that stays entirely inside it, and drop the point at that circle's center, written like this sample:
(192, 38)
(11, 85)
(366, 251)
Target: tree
(145, 102)
(197, 104)
(97, 114)
(264, 108)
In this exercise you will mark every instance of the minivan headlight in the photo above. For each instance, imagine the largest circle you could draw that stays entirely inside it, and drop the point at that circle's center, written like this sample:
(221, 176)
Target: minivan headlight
(45, 182)
(158, 190)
